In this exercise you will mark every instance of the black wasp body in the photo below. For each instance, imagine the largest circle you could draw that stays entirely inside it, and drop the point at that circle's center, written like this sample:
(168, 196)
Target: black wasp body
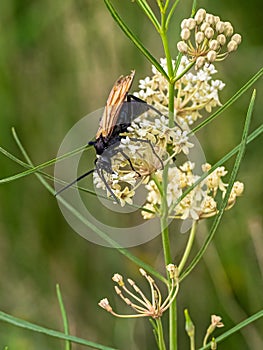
(121, 109)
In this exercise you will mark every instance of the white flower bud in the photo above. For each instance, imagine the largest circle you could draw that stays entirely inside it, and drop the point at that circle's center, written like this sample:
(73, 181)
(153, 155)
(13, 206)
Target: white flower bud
(142, 272)
(104, 303)
(221, 39)
(191, 23)
(229, 30)
(232, 46)
(227, 24)
(238, 188)
(213, 45)
(199, 37)
(211, 56)
(185, 34)
(206, 167)
(204, 25)
(216, 19)
(200, 16)
(237, 38)
(209, 32)
(209, 18)
(182, 47)
(118, 279)
(220, 27)
(199, 62)
(184, 23)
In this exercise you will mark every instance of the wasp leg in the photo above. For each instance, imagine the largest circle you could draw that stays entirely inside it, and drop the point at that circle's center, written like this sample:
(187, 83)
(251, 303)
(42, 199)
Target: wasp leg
(75, 181)
(130, 97)
(149, 143)
(101, 175)
(129, 160)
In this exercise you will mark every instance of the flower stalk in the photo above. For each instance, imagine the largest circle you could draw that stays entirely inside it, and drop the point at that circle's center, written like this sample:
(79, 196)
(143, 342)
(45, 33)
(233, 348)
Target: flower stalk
(181, 96)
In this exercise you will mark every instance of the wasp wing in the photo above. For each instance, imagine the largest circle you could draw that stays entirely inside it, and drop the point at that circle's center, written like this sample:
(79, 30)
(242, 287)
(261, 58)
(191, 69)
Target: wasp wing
(114, 103)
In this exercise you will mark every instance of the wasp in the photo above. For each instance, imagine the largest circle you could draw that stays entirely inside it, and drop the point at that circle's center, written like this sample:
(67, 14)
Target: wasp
(121, 109)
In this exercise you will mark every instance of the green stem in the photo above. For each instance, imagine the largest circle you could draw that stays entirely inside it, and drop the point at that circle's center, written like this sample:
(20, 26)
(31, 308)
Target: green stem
(192, 343)
(161, 343)
(188, 247)
(164, 218)
(171, 105)
(168, 260)
(176, 78)
(173, 325)
(64, 317)
(171, 83)
(206, 338)
(166, 241)
(170, 72)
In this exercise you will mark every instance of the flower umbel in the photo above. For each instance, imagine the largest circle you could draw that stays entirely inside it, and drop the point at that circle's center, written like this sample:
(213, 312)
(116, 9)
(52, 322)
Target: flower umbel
(198, 204)
(195, 93)
(205, 38)
(142, 151)
(144, 307)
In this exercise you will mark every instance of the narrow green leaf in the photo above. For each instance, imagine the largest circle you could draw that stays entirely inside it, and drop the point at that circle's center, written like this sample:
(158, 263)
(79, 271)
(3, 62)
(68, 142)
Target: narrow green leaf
(94, 228)
(50, 332)
(50, 177)
(64, 317)
(238, 94)
(149, 13)
(134, 39)
(170, 14)
(236, 328)
(193, 8)
(32, 170)
(228, 191)
(230, 154)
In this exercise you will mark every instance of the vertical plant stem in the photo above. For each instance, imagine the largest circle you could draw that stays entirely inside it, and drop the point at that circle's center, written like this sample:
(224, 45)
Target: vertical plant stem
(171, 105)
(161, 342)
(188, 247)
(64, 317)
(173, 325)
(192, 343)
(164, 219)
(170, 69)
(168, 260)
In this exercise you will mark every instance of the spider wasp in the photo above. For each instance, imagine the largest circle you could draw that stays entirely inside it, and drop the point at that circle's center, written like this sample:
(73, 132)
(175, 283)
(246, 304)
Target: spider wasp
(121, 109)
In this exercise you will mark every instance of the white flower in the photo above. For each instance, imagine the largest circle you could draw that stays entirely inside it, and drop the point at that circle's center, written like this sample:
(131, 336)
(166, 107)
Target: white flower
(201, 202)
(194, 92)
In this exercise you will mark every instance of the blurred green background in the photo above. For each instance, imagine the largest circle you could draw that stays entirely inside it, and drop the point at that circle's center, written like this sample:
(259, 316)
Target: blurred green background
(58, 60)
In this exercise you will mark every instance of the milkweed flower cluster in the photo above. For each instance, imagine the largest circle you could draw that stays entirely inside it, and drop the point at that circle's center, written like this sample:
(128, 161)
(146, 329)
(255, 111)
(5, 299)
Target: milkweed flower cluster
(142, 151)
(200, 202)
(195, 93)
(149, 143)
(154, 306)
(206, 38)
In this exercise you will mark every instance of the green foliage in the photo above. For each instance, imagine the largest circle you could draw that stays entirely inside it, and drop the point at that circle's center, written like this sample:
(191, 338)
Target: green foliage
(57, 62)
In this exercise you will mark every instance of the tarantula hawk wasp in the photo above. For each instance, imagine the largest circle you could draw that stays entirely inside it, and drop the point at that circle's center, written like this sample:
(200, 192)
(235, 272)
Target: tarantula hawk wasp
(121, 109)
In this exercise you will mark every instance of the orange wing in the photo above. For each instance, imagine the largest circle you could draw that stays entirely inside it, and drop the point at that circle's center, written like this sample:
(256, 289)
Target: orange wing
(114, 102)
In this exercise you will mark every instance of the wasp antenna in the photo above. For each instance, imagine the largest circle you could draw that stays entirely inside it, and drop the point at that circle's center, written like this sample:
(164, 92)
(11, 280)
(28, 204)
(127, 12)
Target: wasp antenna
(75, 181)
(101, 175)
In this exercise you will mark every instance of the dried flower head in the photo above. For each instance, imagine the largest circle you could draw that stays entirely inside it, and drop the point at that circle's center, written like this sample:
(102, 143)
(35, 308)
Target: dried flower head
(215, 323)
(144, 307)
(205, 38)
